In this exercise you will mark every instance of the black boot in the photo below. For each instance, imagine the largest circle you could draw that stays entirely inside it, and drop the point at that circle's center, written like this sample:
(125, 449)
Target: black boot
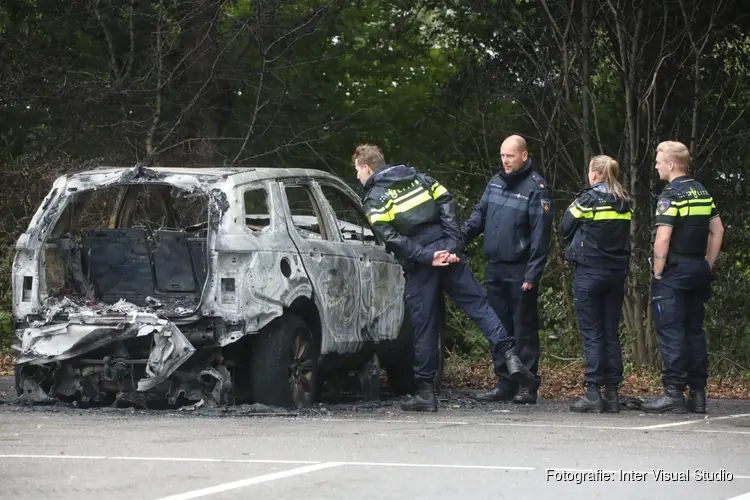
(591, 402)
(611, 399)
(501, 392)
(696, 401)
(672, 401)
(517, 371)
(526, 395)
(424, 399)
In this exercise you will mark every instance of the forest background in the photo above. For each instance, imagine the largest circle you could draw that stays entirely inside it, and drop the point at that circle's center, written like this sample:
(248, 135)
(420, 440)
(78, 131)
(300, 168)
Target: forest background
(438, 84)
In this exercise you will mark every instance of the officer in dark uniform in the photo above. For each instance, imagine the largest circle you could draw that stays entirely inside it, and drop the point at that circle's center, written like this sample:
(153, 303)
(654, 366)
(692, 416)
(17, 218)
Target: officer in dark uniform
(515, 215)
(415, 216)
(597, 225)
(688, 238)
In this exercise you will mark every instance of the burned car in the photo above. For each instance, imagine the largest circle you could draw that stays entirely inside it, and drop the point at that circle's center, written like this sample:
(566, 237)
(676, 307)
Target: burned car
(213, 285)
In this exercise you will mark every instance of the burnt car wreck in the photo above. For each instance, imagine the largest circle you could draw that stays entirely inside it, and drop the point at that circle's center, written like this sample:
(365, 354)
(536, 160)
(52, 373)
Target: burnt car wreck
(213, 286)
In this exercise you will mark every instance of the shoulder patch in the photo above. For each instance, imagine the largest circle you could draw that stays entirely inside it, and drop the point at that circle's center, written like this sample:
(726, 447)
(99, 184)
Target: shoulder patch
(545, 205)
(663, 206)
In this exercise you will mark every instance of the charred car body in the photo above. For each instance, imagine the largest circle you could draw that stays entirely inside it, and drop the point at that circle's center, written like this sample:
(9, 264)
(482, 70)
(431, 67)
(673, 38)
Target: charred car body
(202, 284)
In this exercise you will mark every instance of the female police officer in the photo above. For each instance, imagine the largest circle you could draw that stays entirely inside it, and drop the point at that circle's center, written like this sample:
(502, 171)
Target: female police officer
(597, 225)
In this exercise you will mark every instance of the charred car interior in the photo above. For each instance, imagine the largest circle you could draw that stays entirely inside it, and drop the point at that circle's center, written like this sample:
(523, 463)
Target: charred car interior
(203, 286)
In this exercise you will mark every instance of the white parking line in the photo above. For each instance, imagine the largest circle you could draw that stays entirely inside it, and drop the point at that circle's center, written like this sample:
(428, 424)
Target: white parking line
(551, 425)
(744, 496)
(706, 420)
(322, 465)
(250, 481)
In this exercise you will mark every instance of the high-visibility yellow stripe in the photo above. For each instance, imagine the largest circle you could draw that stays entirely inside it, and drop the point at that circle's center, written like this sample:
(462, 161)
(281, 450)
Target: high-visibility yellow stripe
(438, 190)
(612, 215)
(602, 213)
(688, 211)
(578, 213)
(685, 208)
(389, 211)
(386, 217)
(410, 203)
(408, 194)
(692, 201)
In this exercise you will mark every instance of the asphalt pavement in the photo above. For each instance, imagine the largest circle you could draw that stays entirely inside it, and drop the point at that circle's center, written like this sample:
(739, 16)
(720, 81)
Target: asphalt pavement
(368, 451)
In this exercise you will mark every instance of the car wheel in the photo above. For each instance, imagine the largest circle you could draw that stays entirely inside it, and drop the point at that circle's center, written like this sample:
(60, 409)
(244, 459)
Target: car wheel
(284, 364)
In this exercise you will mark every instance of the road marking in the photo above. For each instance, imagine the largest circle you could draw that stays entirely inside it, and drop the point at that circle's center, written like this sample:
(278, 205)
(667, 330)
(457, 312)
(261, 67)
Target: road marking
(250, 481)
(695, 421)
(744, 496)
(316, 465)
(438, 466)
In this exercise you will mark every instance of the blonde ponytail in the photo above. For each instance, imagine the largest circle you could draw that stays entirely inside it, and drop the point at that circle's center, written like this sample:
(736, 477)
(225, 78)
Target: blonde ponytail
(610, 169)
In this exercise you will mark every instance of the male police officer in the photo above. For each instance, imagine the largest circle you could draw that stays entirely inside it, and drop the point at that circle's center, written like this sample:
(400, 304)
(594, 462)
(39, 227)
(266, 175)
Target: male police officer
(416, 218)
(515, 215)
(688, 238)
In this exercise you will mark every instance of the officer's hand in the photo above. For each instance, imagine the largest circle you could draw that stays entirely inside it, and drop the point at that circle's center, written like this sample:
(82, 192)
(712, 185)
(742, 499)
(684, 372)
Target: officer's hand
(453, 258)
(440, 258)
(526, 286)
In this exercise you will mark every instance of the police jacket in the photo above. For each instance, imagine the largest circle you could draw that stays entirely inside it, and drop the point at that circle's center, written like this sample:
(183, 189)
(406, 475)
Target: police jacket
(597, 226)
(515, 215)
(687, 207)
(409, 210)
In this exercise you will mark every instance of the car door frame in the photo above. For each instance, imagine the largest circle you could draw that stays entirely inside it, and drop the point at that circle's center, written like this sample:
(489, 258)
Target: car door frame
(340, 318)
(378, 267)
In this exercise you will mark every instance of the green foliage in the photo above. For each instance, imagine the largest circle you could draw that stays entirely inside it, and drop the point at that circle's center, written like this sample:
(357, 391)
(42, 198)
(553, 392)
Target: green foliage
(6, 330)
(437, 83)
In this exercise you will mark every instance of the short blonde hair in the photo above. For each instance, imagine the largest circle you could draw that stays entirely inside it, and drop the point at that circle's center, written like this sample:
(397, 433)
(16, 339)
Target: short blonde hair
(676, 151)
(369, 154)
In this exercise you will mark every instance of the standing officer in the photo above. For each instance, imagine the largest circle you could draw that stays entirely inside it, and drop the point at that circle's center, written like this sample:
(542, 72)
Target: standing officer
(597, 225)
(416, 218)
(515, 215)
(688, 238)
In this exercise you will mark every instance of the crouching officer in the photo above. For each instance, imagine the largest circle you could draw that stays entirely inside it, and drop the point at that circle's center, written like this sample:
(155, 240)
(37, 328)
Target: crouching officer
(688, 238)
(597, 225)
(415, 216)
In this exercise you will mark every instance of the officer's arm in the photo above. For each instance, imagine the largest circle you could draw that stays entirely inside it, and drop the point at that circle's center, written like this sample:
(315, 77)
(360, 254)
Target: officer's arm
(666, 217)
(573, 217)
(447, 209)
(540, 220)
(474, 225)
(715, 236)
(380, 216)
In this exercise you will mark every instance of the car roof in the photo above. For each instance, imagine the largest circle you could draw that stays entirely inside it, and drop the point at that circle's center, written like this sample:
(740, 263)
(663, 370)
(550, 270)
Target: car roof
(239, 175)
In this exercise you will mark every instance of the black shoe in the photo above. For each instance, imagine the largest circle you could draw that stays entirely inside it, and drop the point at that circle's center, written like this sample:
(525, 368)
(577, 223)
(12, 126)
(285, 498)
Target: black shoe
(591, 402)
(672, 401)
(696, 401)
(424, 399)
(517, 371)
(499, 393)
(526, 395)
(611, 399)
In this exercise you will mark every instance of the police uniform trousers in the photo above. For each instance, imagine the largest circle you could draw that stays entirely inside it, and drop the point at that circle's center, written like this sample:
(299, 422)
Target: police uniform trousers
(424, 287)
(599, 294)
(519, 313)
(678, 302)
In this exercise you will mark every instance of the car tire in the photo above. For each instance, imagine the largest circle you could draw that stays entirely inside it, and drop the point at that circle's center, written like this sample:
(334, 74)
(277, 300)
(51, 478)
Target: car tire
(284, 367)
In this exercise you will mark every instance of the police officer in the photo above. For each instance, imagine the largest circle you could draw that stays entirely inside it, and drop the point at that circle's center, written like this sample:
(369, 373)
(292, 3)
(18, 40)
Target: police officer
(688, 238)
(515, 215)
(597, 225)
(415, 216)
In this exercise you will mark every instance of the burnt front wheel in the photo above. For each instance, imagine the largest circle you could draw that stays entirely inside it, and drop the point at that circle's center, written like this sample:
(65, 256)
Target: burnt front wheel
(284, 364)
